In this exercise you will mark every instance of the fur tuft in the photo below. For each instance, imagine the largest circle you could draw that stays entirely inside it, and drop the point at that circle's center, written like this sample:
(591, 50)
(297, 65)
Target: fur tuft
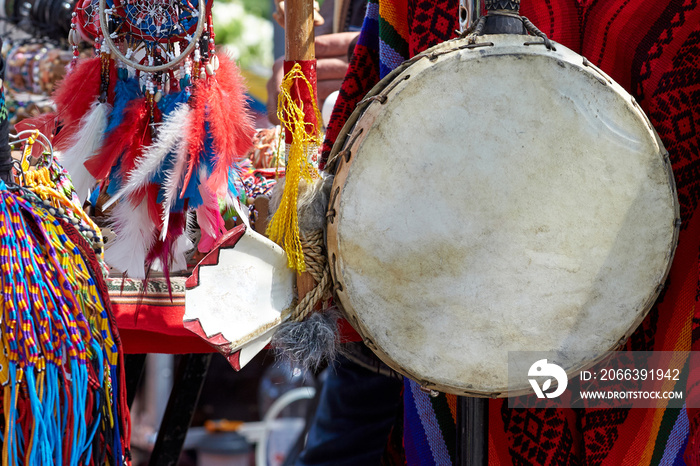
(86, 143)
(309, 343)
(135, 234)
(312, 202)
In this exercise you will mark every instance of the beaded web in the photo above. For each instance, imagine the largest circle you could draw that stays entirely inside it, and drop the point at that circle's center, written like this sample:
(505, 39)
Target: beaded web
(88, 18)
(152, 35)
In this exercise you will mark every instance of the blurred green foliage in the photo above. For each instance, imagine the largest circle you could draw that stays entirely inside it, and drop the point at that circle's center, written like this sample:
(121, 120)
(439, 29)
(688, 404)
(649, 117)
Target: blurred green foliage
(260, 8)
(245, 28)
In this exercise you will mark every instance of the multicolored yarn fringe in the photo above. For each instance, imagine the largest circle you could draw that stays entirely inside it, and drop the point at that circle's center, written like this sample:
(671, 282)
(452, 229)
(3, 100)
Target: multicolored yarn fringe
(63, 397)
(284, 226)
(51, 183)
(652, 50)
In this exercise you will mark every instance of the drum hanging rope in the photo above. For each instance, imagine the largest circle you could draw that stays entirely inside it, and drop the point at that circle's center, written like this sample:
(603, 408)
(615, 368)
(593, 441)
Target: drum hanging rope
(316, 262)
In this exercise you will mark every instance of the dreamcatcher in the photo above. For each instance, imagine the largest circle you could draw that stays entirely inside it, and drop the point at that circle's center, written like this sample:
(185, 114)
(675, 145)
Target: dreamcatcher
(85, 24)
(157, 34)
(159, 126)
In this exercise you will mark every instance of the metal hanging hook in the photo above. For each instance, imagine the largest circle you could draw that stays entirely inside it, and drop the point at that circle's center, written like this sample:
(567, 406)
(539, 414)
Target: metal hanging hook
(33, 135)
(469, 12)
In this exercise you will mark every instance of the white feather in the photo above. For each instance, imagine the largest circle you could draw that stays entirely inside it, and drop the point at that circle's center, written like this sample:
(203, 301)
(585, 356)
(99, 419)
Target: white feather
(173, 181)
(85, 144)
(183, 244)
(135, 235)
(170, 137)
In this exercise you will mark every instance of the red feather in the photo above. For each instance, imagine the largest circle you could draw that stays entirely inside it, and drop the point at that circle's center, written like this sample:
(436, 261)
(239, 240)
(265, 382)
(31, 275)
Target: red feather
(136, 197)
(163, 249)
(140, 140)
(46, 124)
(155, 210)
(230, 121)
(76, 93)
(197, 133)
(128, 162)
(121, 140)
(78, 90)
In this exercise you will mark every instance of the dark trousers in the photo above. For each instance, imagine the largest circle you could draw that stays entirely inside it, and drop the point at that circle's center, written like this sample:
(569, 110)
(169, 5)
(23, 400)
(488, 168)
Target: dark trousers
(356, 411)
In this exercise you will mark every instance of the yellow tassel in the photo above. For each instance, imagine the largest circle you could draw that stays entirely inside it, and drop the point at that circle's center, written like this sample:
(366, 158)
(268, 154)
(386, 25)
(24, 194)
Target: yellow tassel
(284, 226)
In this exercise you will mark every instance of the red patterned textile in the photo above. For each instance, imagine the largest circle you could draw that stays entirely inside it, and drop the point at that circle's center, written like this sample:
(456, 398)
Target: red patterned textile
(150, 320)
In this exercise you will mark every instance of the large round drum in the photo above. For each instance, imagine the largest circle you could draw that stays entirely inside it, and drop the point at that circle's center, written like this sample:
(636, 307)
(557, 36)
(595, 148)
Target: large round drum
(498, 197)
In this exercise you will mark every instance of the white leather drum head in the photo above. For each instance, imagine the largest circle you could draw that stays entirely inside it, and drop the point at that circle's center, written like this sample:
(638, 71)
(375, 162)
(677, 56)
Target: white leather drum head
(503, 198)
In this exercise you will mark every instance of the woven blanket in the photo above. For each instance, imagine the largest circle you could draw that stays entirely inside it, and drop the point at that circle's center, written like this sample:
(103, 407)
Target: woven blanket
(653, 50)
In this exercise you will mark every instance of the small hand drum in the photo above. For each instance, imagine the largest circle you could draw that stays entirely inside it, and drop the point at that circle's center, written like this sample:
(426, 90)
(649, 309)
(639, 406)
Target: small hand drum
(498, 196)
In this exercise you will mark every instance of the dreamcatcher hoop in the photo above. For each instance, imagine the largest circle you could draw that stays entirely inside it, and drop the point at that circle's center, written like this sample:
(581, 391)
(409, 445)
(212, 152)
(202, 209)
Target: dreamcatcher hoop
(201, 8)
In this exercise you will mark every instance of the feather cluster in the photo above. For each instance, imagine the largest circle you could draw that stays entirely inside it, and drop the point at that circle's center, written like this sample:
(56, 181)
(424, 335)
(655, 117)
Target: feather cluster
(157, 160)
(84, 145)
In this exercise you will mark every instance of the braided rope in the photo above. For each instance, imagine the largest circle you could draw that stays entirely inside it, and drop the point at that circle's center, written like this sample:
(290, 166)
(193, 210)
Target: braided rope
(532, 29)
(317, 265)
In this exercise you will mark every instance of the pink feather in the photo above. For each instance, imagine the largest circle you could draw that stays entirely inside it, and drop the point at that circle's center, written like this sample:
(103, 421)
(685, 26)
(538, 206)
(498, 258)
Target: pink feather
(209, 219)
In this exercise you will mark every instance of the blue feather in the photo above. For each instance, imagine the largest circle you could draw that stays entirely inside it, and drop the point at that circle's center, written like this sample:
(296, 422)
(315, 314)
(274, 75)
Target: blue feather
(168, 103)
(159, 179)
(233, 176)
(206, 160)
(125, 91)
(192, 193)
(115, 178)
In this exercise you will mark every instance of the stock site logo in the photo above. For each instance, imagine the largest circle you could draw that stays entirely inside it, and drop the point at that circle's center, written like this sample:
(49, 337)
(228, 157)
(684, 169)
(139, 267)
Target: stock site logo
(541, 369)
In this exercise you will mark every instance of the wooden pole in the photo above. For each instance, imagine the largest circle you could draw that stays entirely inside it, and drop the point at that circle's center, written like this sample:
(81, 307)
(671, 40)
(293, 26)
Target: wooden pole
(299, 30)
(299, 48)
(472, 431)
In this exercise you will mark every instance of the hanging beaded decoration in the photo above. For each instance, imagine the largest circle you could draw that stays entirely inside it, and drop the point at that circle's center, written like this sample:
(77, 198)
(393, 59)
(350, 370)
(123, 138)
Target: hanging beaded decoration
(159, 121)
(62, 377)
(85, 24)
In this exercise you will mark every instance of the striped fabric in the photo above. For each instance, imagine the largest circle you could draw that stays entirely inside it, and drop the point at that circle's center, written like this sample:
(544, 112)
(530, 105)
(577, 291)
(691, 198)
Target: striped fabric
(429, 426)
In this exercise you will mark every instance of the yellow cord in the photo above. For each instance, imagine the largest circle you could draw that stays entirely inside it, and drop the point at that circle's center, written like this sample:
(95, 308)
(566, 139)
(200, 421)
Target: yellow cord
(284, 226)
(27, 154)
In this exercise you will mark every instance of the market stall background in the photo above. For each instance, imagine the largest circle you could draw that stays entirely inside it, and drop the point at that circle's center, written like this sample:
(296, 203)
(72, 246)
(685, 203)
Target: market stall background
(37, 54)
